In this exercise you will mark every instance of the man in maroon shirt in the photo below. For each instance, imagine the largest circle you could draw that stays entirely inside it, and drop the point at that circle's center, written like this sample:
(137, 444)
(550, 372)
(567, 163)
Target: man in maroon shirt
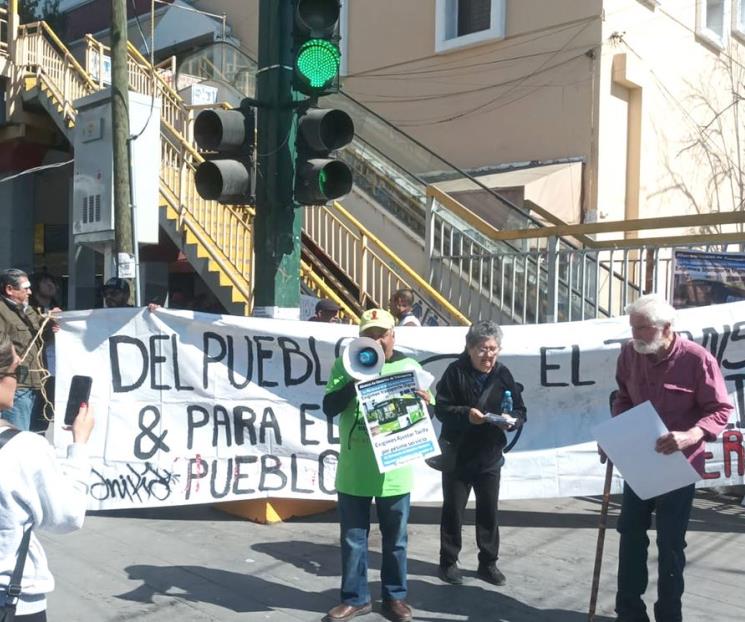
(686, 388)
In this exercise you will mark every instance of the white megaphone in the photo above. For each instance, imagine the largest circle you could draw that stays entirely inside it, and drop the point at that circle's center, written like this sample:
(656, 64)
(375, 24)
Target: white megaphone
(363, 358)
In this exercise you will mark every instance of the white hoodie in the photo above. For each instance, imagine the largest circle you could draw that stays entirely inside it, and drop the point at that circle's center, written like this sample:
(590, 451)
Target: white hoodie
(36, 489)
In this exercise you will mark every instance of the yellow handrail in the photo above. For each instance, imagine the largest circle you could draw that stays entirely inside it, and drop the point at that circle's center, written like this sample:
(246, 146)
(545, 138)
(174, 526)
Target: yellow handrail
(82, 73)
(322, 286)
(414, 276)
(579, 231)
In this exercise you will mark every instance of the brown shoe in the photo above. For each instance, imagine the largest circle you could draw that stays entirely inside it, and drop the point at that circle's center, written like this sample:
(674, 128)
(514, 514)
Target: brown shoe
(397, 610)
(344, 612)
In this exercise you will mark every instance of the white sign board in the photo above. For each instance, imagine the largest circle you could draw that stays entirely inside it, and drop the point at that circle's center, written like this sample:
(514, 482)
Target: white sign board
(629, 441)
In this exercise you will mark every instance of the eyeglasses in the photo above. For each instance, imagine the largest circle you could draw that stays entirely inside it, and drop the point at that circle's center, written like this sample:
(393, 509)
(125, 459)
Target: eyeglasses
(485, 351)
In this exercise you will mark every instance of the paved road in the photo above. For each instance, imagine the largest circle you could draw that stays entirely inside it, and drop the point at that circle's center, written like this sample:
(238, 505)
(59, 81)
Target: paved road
(196, 563)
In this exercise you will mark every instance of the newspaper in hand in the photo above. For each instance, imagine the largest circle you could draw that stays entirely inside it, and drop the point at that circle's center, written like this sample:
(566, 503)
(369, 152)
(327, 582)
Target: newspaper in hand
(503, 419)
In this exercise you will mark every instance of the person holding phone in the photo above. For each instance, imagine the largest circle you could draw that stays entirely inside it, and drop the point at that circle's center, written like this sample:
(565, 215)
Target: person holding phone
(36, 492)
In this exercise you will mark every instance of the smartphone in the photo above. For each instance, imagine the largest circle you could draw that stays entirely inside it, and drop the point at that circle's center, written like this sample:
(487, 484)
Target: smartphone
(80, 391)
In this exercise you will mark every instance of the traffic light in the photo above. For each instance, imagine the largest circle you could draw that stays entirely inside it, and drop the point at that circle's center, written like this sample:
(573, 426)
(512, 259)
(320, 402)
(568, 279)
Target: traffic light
(317, 53)
(319, 177)
(226, 176)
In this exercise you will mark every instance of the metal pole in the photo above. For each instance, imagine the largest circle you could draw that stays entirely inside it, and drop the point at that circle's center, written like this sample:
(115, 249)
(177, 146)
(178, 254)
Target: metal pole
(133, 209)
(123, 232)
(278, 224)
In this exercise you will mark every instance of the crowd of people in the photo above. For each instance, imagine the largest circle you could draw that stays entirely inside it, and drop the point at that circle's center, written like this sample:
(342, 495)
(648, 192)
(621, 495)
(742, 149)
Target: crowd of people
(680, 378)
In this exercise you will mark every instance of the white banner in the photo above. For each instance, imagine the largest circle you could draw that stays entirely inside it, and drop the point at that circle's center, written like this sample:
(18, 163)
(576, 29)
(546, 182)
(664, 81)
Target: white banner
(198, 408)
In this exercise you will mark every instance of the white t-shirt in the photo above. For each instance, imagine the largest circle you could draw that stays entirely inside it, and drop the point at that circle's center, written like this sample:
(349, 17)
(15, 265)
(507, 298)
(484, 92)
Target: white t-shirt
(409, 320)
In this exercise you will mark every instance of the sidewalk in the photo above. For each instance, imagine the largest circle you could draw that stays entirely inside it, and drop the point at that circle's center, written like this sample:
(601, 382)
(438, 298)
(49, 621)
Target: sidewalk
(198, 564)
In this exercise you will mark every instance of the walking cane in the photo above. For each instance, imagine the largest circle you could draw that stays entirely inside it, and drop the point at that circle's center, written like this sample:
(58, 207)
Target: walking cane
(601, 541)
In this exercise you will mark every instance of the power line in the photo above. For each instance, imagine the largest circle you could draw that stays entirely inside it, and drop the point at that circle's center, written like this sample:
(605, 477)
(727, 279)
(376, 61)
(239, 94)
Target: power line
(36, 169)
(540, 69)
(396, 99)
(442, 65)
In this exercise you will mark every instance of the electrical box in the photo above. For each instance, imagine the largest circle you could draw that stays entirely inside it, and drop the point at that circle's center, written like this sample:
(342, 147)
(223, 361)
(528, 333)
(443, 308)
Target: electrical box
(93, 188)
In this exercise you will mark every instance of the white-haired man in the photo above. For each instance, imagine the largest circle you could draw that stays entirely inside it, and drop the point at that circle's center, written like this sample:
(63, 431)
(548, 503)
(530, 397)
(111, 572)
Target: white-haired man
(685, 386)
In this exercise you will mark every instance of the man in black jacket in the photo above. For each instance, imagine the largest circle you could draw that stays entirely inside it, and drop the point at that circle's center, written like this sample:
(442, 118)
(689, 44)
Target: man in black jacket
(472, 387)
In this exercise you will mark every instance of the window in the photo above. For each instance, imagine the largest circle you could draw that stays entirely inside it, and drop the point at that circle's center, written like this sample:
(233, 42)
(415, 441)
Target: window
(711, 17)
(472, 16)
(738, 17)
(461, 23)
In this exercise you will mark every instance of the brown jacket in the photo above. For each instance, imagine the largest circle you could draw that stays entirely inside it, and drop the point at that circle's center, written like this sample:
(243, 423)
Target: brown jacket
(22, 327)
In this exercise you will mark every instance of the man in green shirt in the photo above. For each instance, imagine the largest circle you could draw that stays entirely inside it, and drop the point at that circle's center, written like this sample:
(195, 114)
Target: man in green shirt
(358, 482)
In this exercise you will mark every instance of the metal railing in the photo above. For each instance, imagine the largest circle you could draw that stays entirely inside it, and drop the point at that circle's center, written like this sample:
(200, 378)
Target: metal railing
(40, 52)
(374, 267)
(318, 287)
(549, 281)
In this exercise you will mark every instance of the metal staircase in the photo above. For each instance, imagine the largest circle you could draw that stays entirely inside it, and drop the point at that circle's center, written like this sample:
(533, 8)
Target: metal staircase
(217, 238)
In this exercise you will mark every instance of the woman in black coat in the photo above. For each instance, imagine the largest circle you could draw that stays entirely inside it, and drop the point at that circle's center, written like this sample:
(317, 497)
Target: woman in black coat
(471, 387)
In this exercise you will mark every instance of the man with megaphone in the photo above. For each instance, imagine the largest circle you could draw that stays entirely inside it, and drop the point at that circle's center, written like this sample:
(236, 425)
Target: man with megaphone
(358, 480)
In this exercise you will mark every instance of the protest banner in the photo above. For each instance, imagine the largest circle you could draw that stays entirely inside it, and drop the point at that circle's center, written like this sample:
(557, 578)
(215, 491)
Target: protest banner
(199, 408)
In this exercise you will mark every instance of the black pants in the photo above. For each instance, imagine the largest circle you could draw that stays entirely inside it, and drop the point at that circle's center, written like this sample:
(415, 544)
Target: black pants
(456, 488)
(33, 617)
(672, 511)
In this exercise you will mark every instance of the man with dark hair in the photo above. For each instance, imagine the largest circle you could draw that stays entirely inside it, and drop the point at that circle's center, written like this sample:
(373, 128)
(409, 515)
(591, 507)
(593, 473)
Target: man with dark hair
(402, 307)
(326, 311)
(116, 293)
(23, 325)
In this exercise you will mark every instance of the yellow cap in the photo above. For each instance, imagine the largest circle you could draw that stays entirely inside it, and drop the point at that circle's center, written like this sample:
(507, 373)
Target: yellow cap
(376, 318)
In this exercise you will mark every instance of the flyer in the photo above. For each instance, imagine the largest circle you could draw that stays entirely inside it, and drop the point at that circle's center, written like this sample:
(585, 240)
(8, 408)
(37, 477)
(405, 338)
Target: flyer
(397, 421)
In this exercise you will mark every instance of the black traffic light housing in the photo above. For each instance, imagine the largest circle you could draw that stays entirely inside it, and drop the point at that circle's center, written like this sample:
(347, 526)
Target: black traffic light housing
(318, 177)
(226, 176)
(317, 56)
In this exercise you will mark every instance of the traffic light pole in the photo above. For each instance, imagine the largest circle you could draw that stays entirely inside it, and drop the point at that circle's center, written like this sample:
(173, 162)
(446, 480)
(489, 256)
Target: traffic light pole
(278, 224)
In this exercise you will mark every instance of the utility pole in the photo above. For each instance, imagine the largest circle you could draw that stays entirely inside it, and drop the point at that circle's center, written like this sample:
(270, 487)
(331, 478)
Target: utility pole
(123, 230)
(278, 224)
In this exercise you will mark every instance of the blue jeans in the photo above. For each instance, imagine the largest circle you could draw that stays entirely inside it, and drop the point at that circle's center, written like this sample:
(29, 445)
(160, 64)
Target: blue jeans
(25, 403)
(672, 511)
(354, 520)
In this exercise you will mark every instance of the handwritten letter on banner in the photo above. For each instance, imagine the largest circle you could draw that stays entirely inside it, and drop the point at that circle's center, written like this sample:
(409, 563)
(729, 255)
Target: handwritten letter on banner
(197, 408)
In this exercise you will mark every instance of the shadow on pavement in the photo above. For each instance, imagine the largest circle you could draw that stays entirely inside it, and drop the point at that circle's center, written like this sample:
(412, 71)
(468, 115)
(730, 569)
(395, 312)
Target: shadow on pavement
(245, 593)
(241, 593)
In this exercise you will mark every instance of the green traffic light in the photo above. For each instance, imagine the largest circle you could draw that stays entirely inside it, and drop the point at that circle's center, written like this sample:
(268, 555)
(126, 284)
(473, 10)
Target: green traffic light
(318, 62)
